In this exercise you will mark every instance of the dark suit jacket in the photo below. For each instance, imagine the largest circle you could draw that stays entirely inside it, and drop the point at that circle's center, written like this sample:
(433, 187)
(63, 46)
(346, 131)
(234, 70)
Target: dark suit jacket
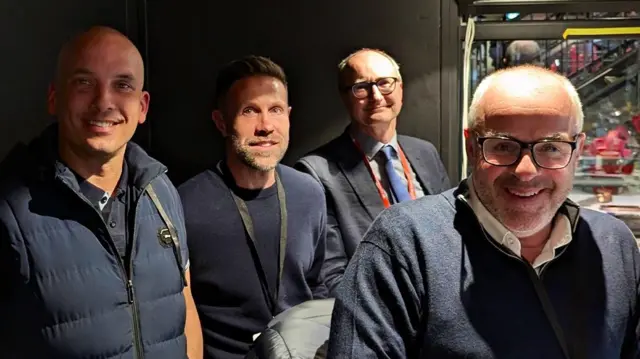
(353, 201)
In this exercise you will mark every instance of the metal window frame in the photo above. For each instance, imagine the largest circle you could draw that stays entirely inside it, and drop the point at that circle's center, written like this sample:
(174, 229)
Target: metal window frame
(482, 7)
(450, 90)
(541, 30)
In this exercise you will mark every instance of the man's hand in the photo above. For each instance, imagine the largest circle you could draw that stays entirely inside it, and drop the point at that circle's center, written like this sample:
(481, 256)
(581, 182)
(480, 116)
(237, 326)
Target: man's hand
(192, 329)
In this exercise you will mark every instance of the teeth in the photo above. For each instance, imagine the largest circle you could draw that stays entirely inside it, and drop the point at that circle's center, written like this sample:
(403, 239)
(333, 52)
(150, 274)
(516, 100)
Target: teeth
(524, 194)
(101, 123)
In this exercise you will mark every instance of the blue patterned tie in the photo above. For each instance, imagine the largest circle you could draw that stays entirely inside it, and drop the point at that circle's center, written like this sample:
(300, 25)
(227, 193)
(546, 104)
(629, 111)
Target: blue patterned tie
(397, 186)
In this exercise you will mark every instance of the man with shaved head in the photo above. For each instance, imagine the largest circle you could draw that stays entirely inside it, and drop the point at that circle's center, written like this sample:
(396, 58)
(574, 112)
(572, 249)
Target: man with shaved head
(504, 265)
(369, 167)
(93, 250)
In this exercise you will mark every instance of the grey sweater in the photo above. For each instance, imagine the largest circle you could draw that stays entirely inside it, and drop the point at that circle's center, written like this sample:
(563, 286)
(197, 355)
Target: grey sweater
(428, 282)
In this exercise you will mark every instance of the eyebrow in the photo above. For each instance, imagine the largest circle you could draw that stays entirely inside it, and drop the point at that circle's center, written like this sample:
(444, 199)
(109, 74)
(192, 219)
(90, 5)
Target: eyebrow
(252, 103)
(81, 71)
(364, 80)
(122, 76)
(126, 76)
(558, 136)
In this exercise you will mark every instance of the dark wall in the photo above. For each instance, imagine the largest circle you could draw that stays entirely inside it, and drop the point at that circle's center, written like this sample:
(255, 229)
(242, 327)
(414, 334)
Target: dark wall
(189, 40)
(32, 33)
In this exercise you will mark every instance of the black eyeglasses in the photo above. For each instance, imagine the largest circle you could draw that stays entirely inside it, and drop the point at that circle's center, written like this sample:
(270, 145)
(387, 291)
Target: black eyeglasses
(547, 153)
(385, 85)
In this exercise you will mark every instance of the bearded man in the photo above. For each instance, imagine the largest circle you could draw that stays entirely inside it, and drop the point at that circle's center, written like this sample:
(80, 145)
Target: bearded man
(256, 228)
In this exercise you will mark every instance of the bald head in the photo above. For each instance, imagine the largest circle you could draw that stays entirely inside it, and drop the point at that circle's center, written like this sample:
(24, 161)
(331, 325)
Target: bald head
(364, 61)
(524, 90)
(96, 42)
(97, 97)
(522, 52)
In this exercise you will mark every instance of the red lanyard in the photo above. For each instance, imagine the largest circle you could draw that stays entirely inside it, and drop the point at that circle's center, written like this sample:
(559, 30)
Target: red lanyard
(405, 168)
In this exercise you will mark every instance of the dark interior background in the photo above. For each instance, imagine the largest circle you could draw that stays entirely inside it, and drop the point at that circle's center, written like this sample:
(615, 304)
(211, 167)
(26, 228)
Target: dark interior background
(185, 42)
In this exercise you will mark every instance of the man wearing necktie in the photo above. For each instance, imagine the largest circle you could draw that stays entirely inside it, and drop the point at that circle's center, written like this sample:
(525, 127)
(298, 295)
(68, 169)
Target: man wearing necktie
(369, 167)
(399, 187)
(389, 169)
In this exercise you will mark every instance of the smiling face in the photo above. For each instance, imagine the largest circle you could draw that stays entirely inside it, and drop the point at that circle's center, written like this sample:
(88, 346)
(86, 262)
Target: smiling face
(375, 108)
(255, 121)
(527, 106)
(98, 98)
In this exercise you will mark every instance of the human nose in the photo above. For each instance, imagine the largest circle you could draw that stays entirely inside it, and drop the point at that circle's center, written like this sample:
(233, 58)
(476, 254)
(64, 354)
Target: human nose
(376, 95)
(102, 100)
(265, 123)
(526, 168)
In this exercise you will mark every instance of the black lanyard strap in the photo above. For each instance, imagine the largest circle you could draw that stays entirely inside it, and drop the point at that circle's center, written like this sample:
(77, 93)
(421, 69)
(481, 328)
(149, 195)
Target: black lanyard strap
(271, 296)
(170, 235)
(549, 311)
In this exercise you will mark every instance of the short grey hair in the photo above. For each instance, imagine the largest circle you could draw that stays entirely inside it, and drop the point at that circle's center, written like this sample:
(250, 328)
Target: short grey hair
(476, 113)
(522, 52)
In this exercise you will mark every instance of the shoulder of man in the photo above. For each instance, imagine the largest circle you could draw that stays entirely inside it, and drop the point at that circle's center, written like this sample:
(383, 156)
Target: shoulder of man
(16, 172)
(329, 152)
(604, 223)
(417, 143)
(300, 183)
(169, 199)
(162, 183)
(17, 169)
(616, 244)
(168, 196)
(404, 226)
(194, 186)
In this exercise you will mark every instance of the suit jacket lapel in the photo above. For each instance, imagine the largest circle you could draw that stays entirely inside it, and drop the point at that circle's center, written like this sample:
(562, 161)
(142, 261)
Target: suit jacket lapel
(413, 155)
(352, 164)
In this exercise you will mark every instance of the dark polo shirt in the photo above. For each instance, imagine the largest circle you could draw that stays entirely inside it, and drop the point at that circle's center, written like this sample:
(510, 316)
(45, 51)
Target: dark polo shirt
(113, 207)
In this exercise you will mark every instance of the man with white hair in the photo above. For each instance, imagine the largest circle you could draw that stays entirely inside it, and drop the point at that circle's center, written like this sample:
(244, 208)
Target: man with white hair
(504, 265)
